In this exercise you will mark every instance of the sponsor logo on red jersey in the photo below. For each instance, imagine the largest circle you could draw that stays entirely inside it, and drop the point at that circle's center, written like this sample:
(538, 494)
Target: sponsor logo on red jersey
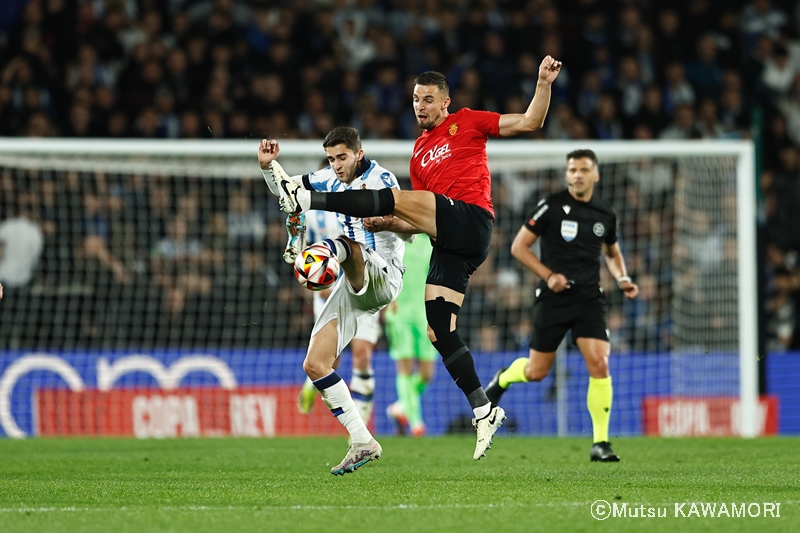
(435, 154)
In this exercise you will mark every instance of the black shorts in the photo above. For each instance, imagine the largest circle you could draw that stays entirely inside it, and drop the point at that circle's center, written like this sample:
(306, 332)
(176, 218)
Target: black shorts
(463, 234)
(582, 310)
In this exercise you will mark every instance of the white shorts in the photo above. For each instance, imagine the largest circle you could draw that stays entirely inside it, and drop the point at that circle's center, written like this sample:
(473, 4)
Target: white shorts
(382, 283)
(369, 326)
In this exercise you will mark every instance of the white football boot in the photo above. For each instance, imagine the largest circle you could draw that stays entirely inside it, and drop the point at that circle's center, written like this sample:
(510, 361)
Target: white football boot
(357, 456)
(485, 428)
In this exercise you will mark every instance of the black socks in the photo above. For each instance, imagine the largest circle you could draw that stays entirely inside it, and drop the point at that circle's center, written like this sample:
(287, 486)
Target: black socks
(364, 203)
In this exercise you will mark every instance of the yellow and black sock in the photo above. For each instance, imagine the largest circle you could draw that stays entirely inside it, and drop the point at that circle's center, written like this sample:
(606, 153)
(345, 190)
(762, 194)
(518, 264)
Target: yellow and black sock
(598, 401)
(515, 373)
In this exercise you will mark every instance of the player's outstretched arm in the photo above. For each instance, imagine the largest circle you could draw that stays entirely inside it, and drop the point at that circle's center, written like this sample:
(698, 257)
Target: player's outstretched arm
(268, 151)
(533, 119)
(616, 265)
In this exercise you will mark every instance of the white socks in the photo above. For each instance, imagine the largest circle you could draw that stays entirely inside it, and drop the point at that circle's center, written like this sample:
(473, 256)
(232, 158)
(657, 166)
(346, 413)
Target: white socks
(339, 247)
(337, 397)
(482, 411)
(303, 197)
(362, 388)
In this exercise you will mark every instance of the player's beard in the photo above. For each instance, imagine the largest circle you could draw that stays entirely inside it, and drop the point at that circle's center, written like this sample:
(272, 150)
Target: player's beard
(426, 123)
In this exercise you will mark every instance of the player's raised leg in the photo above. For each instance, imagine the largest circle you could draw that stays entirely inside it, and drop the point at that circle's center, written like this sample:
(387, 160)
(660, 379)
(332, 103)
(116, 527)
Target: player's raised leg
(418, 208)
(350, 256)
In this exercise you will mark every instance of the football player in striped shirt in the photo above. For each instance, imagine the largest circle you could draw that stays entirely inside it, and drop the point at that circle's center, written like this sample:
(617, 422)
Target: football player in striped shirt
(373, 268)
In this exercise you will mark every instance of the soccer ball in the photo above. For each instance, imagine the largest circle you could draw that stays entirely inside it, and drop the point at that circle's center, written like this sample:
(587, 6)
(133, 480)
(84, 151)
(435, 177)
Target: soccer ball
(316, 268)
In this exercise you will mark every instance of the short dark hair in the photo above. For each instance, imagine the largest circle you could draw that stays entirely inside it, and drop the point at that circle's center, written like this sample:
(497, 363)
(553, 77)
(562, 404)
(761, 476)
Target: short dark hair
(343, 135)
(583, 152)
(434, 78)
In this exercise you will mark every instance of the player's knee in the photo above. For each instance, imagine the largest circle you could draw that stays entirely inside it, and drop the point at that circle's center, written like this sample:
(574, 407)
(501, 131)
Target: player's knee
(535, 374)
(315, 369)
(440, 314)
(443, 336)
(598, 366)
(361, 358)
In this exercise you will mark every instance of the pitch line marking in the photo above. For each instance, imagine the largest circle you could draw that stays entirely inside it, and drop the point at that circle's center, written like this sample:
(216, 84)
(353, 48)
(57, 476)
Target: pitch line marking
(262, 508)
(267, 508)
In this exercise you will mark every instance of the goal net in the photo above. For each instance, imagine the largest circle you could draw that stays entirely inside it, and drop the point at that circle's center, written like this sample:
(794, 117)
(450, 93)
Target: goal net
(146, 294)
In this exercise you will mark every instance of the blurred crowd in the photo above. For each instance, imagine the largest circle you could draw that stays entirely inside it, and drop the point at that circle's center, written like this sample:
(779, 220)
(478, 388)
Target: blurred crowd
(126, 261)
(294, 69)
(99, 260)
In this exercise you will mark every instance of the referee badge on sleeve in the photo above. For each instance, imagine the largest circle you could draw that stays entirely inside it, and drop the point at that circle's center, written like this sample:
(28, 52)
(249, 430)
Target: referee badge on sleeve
(569, 230)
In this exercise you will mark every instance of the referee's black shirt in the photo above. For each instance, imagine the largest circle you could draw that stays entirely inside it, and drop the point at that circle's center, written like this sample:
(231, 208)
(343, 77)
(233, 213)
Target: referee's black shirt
(571, 234)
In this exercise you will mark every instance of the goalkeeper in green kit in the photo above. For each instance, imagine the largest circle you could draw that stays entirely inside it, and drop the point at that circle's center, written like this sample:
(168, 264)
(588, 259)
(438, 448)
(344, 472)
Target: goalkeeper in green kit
(406, 332)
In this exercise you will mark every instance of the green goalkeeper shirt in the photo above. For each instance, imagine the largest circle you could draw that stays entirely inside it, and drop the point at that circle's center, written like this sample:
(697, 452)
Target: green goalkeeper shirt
(410, 304)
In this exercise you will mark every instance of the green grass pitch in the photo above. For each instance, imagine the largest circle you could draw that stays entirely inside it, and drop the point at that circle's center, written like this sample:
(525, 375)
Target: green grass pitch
(422, 485)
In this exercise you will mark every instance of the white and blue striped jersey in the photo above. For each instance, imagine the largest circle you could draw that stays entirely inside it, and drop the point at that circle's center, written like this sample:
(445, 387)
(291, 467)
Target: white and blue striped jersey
(374, 177)
(321, 225)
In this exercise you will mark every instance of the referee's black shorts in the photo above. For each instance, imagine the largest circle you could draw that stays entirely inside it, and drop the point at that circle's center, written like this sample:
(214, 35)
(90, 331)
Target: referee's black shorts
(463, 234)
(580, 309)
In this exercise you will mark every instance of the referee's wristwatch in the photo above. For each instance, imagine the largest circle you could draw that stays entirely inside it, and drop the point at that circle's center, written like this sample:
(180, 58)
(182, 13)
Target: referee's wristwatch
(623, 278)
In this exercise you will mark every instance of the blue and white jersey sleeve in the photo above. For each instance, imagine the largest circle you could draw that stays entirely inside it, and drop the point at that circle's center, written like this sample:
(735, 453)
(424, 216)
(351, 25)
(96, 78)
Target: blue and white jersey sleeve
(375, 177)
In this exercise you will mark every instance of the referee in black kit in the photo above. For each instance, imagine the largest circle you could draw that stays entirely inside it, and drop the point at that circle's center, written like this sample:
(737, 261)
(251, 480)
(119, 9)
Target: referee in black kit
(574, 227)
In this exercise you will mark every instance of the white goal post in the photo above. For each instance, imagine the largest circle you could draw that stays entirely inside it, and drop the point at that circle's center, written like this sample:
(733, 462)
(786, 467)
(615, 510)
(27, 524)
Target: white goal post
(236, 159)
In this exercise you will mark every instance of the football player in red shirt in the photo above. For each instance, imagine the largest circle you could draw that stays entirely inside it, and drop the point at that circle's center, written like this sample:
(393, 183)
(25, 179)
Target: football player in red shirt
(451, 202)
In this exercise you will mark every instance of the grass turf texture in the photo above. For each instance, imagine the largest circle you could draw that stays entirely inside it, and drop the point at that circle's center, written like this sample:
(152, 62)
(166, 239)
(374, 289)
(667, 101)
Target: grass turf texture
(275, 485)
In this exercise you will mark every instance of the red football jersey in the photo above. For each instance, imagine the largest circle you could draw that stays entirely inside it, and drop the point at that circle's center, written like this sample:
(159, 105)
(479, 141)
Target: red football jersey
(451, 158)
